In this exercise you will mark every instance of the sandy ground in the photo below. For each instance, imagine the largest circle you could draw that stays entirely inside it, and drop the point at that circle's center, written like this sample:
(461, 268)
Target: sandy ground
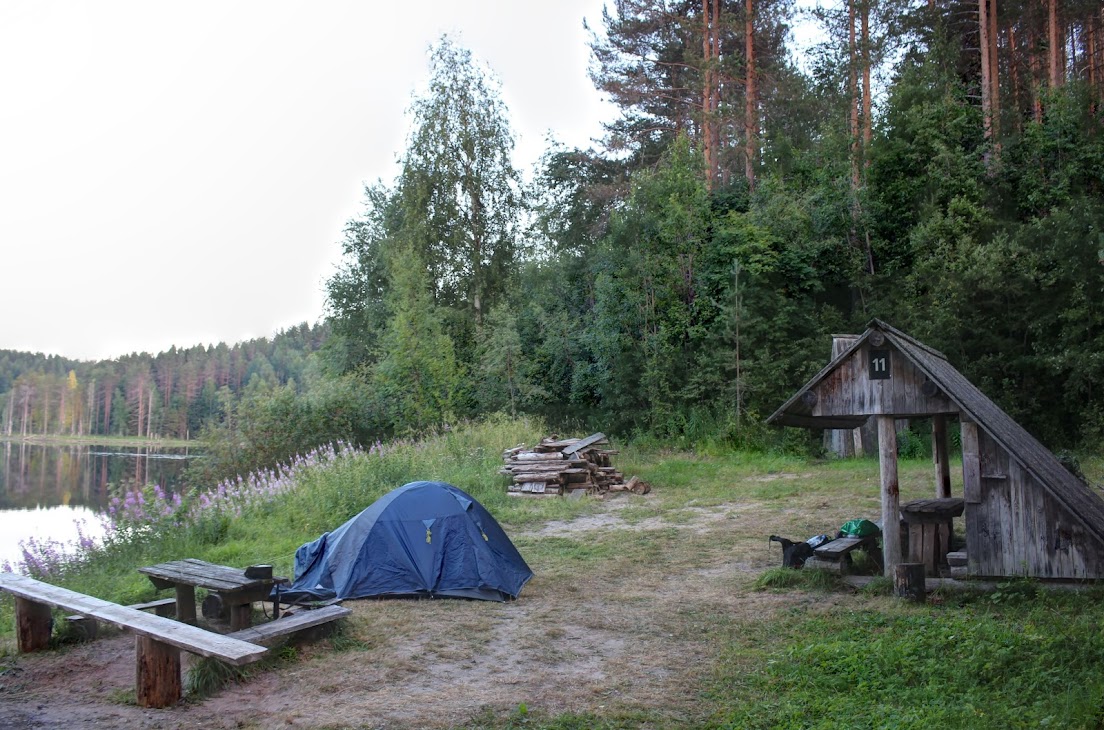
(627, 636)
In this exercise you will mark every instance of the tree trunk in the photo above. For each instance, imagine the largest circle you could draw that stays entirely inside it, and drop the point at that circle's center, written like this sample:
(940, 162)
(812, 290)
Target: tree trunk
(62, 420)
(853, 89)
(1036, 81)
(708, 150)
(1054, 44)
(1013, 67)
(751, 115)
(994, 72)
(986, 68)
(867, 104)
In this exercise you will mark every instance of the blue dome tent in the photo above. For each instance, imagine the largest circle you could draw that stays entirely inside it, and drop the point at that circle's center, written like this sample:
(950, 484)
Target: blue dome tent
(422, 539)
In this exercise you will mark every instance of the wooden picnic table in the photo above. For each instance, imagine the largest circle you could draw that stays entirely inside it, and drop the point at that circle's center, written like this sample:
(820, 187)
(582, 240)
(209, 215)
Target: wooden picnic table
(237, 591)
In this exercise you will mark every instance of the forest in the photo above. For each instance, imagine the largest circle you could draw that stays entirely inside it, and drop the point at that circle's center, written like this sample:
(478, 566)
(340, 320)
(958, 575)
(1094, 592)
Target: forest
(936, 164)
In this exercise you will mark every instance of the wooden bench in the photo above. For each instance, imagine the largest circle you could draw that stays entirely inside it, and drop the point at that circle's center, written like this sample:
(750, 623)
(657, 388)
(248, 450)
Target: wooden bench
(158, 643)
(835, 554)
(291, 625)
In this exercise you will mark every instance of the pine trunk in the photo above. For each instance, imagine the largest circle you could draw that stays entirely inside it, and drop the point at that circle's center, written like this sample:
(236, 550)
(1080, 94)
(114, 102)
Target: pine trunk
(1054, 44)
(1036, 81)
(853, 89)
(751, 116)
(994, 73)
(986, 88)
(707, 97)
(867, 111)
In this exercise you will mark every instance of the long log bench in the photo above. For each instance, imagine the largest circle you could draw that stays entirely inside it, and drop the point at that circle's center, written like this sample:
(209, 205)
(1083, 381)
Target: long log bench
(158, 642)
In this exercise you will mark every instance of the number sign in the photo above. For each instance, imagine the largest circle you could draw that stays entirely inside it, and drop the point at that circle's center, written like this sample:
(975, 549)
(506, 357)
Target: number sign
(879, 364)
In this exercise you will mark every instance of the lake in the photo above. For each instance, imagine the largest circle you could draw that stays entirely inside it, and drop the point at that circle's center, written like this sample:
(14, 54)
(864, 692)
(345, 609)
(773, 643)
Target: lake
(47, 489)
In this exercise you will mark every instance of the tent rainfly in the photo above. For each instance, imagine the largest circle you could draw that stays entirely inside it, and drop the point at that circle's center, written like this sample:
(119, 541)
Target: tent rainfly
(1025, 513)
(423, 539)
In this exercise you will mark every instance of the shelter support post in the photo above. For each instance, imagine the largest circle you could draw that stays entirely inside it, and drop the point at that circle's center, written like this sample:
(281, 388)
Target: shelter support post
(891, 494)
(942, 463)
(971, 491)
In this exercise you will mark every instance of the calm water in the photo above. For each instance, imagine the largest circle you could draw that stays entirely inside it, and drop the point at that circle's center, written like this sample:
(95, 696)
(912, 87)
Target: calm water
(46, 489)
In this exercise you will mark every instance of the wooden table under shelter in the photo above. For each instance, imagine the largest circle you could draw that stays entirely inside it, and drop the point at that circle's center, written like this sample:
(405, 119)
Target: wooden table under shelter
(237, 592)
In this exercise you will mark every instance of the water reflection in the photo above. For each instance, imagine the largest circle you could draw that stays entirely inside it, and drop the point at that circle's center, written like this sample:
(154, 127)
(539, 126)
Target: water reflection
(46, 488)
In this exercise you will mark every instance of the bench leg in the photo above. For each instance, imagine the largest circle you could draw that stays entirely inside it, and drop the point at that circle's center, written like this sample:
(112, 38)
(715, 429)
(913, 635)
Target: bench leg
(157, 679)
(34, 623)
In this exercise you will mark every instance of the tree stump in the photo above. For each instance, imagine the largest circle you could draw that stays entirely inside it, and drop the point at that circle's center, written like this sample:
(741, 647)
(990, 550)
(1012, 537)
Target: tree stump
(158, 673)
(34, 622)
(908, 581)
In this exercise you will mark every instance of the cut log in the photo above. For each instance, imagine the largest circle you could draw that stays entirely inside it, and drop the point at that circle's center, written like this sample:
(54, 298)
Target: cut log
(534, 456)
(158, 673)
(34, 622)
(908, 581)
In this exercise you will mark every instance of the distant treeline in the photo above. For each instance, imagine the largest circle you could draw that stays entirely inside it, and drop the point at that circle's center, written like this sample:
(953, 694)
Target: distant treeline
(173, 394)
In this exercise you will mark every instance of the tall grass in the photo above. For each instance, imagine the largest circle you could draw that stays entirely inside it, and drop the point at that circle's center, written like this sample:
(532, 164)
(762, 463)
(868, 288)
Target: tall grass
(264, 517)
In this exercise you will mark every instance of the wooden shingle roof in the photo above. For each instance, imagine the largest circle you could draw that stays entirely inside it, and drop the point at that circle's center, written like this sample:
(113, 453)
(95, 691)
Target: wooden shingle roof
(1077, 497)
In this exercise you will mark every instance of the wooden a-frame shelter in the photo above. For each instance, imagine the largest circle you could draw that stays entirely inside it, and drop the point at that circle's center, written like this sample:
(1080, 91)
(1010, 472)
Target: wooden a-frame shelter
(1025, 513)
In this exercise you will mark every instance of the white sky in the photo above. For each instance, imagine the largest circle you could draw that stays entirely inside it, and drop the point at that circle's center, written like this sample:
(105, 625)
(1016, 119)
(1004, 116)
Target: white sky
(180, 173)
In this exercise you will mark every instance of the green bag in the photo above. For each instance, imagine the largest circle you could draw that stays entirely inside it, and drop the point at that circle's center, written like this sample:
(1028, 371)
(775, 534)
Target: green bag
(860, 528)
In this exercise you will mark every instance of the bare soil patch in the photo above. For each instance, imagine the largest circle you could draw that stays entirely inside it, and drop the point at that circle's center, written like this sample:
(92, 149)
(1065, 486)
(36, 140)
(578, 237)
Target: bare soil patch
(628, 634)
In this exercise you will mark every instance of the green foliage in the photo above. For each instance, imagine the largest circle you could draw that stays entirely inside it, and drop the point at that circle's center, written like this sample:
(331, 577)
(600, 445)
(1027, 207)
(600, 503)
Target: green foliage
(271, 425)
(417, 379)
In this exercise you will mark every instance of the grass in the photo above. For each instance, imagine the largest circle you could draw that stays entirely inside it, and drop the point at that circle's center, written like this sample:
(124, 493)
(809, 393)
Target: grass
(964, 664)
(744, 645)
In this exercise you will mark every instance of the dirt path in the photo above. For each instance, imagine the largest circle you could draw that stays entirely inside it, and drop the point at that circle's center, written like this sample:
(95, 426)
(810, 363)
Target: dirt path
(627, 636)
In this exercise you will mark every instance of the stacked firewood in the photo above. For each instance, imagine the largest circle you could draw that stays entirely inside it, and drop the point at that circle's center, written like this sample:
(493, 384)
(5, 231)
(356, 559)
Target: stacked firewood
(565, 466)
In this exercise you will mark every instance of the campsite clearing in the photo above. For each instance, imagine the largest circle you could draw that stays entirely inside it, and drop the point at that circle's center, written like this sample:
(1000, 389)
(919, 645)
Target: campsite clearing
(643, 613)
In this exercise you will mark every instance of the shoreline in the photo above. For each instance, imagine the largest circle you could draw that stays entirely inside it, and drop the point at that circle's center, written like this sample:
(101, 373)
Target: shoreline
(59, 440)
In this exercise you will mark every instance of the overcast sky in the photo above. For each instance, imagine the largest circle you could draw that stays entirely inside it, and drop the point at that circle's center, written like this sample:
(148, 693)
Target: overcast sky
(180, 173)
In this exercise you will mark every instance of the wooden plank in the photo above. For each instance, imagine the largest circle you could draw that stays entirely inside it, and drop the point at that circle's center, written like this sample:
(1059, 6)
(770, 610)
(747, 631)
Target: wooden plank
(583, 443)
(273, 631)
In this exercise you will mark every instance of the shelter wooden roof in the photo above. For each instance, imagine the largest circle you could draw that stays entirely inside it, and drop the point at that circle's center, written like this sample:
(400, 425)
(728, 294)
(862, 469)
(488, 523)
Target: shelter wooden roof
(1071, 492)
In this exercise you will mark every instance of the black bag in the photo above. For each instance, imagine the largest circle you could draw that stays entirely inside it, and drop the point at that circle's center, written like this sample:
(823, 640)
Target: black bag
(794, 554)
